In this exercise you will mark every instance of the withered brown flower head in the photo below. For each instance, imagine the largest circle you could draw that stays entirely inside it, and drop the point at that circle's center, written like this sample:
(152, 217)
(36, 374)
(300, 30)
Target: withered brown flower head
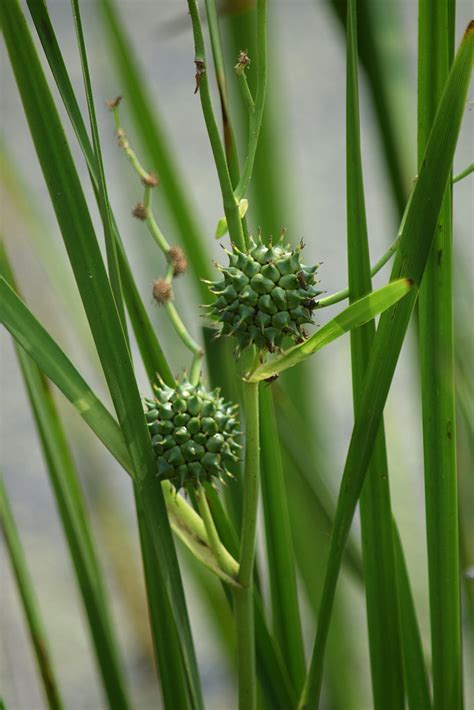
(140, 211)
(176, 257)
(162, 291)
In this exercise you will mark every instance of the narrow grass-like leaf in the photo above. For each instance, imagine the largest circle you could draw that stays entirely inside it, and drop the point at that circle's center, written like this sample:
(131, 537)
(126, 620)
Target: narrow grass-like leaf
(219, 65)
(295, 443)
(342, 691)
(416, 677)
(32, 337)
(436, 331)
(156, 144)
(377, 69)
(148, 344)
(272, 671)
(76, 226)
(221, 372)
(410, 263)
(102, 193)
(52, 361)
(77, 532)
(279, 545)
(375, 508)
(165, 640)
(356, 315)
(30, 604)
(74, 518)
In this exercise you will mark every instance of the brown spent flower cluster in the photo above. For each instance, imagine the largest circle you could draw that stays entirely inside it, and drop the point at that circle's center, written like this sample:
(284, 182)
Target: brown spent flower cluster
(176, 257)
(150, 180)
(140, 211)
(162, 291)
(243, 61)
(113, 103)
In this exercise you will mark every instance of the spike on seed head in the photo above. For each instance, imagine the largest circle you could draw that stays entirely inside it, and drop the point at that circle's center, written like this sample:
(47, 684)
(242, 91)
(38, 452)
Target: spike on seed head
(162, 291)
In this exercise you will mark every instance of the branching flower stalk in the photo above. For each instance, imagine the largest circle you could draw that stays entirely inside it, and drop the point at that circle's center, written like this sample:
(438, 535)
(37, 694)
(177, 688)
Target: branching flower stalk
(163, 295)
(177, 263)
(231, 204)
(243, 599)
(255, 107)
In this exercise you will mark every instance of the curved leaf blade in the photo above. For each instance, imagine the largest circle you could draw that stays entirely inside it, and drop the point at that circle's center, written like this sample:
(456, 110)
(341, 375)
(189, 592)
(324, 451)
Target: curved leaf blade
(357, 314)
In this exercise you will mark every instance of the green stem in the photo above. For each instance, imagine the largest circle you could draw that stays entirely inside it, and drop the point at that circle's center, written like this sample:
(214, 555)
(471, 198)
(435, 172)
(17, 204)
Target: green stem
(375, 507)
(30, 605)
(231, 204)
(152, 224)
(256, 116)
(463, 174)
(435, 50)
(226, 562)
(143, 174)
(251, 482)
(103, 200)
(345, 293)
(181, 329)
(244, 598)
(160, 239)
(245, 632)
(195, 369)
(229, 139)
(279, 543)
(246, 93)
(178, 324)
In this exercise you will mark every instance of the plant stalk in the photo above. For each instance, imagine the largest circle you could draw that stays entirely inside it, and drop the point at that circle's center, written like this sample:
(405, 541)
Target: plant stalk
(231, 204)
(30, 604)
(435, 54)
(256, 115)
(243, 598)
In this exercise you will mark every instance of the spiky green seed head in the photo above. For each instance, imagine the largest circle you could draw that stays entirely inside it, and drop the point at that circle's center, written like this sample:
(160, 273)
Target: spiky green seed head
(194, 434)
(267, 294)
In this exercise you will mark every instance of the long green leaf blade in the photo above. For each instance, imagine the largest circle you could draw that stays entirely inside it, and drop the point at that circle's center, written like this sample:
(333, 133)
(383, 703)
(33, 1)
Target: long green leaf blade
(410, 263)
(163, 628)
(377, 67)
(148, 344)
(72, 510)
(29, 602)
(356, 315)
(102, 193)
(416, 677)
(375, 508)
(165, 639)
(51, 360)
(78, 234)
(279, 544)
(435, 38)
(39, 345)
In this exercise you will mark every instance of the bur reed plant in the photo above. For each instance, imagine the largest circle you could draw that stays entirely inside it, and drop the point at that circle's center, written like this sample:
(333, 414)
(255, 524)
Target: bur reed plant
(202, 446)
